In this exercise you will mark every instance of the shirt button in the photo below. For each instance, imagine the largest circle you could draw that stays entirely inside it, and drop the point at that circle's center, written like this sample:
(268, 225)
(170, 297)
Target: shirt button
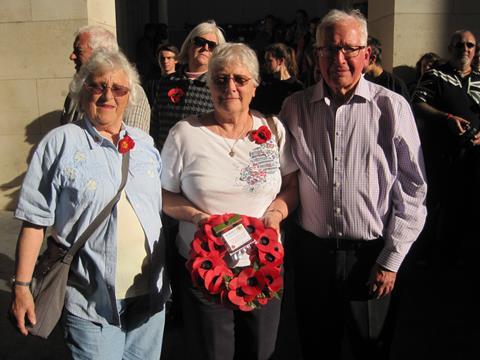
(335, 184)
(337, 133)
(337, 158)
(338, 210)
(340, 233)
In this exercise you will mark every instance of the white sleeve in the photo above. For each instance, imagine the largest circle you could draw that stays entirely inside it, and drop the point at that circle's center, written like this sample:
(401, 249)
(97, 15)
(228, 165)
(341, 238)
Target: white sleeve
(172, 164)
(287, 164)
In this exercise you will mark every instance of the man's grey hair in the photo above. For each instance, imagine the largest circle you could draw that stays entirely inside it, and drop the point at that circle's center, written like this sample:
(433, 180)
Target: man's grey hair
(337, 16)
(203, 28)
(100, 38)
(101, 62)
(233, 54)
(459, 33)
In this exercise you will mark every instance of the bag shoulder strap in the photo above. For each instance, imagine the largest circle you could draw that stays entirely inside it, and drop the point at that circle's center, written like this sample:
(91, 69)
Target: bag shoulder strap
(273, 128)
(101, 216)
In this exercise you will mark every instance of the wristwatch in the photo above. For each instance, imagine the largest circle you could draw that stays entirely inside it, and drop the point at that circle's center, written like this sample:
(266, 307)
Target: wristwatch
(14, 282)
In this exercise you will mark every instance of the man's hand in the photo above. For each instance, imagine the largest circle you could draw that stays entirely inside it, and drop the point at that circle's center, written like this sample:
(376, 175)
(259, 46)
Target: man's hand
(457, 124)
(23, 305)
(382, 281)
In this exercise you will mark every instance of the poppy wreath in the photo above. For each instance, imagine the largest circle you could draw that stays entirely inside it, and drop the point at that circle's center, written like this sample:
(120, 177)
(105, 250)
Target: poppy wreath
(241, 288)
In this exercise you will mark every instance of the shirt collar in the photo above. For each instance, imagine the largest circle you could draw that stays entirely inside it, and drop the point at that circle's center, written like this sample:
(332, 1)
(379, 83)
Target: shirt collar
(95, 138)
(320, 93)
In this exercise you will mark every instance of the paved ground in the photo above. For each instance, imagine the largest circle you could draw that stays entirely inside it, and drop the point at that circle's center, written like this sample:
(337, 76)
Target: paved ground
(439, 314)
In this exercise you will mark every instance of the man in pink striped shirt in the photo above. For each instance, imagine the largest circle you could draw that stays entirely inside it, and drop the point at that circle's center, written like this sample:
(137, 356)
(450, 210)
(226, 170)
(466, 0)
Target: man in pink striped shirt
(362, 192)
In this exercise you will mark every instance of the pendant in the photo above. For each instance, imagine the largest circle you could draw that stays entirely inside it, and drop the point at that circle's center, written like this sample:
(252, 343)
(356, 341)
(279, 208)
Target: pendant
(231, 153)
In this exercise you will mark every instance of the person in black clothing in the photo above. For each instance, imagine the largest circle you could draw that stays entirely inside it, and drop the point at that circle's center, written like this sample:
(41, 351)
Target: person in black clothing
(374, 72)
(448, 99)
(279, 81)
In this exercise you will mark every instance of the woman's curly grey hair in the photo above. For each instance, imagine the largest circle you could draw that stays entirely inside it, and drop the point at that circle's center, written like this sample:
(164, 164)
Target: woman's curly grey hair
(233, 54)
(101, 62)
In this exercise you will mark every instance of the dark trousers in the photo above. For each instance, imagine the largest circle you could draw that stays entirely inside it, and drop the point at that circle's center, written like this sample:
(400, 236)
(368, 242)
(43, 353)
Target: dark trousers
(336, 314)
(212, 331)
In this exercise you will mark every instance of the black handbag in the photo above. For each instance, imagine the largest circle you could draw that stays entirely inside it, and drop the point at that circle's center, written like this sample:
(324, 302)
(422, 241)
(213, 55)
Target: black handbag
(50, 276)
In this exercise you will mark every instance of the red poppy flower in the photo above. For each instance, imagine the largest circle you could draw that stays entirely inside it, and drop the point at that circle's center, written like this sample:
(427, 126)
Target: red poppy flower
(267, 240)
(272, 258)
(176, 95)
(203, 246)
(273, 278)
(238, 297)
(261, 135)
(125, 144)
(253, 226)
(215, 279)
(202, 264)
(251, 281)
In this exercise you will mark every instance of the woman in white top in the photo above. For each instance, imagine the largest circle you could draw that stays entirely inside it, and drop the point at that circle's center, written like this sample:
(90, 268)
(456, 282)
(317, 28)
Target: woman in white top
(213, 166)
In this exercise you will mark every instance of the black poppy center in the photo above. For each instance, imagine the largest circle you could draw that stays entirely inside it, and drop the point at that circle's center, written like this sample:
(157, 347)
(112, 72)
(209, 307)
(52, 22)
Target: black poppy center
(269, 257)
(264, 240)
(204, 246)
(250, 229)
(207, 265)
(239, 292)
(252, 281)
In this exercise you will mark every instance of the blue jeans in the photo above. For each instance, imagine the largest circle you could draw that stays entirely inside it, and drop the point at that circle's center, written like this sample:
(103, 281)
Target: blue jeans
(139, 336)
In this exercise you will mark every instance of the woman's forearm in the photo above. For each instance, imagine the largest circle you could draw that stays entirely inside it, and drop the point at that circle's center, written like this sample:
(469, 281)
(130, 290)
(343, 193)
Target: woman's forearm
(179, 207)
(28, 246)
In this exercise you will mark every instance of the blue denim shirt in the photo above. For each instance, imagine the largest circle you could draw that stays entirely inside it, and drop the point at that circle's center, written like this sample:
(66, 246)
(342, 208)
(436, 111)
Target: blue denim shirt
(73, 174)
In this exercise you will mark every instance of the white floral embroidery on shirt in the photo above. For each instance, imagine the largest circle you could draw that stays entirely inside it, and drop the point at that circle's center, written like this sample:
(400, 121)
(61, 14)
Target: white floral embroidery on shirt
(91, 185)
(70, 173)
(263, 162)
(150, 173)
(79, 156)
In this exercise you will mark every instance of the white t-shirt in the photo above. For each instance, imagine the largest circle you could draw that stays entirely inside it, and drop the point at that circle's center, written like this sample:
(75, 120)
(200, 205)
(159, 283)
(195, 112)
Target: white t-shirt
(196, 163)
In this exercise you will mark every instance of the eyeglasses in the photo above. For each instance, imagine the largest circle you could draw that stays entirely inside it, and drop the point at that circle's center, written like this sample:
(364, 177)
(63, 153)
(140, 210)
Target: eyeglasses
(461, 45)
(347, 51)
(201, 42)
(99, 89)
(223, 80)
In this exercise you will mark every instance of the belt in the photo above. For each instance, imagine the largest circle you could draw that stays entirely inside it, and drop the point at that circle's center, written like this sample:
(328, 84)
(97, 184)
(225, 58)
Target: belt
(338, 243)
(344, 244)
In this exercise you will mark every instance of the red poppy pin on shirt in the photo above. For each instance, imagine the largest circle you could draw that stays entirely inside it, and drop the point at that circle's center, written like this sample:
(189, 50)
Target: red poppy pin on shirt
(125, 144)
(176, 95)
(261, 135)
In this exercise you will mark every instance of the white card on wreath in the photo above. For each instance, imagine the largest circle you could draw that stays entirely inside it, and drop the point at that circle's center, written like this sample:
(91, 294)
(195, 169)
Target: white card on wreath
(236, 238)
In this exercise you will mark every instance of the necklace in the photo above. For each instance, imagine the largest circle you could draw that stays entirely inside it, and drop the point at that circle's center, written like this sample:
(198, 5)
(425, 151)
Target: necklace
(232, 148)
(232, 151)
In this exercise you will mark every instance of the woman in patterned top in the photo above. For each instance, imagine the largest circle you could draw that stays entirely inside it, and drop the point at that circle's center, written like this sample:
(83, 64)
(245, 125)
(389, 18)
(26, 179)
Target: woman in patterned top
(213, 166)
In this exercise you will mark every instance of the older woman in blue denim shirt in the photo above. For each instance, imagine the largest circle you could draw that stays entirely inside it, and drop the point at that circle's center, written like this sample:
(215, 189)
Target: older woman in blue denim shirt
(116, 291)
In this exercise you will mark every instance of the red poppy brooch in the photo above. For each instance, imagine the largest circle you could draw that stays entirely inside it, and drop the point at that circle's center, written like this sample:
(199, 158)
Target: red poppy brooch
(125, 144)
(175, 95)
(261, 135)
(241, 288)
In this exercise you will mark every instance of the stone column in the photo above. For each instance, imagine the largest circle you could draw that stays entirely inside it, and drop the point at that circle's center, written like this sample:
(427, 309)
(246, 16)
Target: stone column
(35, 71)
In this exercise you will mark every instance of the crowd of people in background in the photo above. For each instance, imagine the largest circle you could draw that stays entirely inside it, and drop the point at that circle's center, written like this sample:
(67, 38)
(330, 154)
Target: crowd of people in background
(344, 151)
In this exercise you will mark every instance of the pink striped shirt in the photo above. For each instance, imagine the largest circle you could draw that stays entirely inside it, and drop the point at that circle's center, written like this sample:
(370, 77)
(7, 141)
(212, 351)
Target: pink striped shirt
(361, 167)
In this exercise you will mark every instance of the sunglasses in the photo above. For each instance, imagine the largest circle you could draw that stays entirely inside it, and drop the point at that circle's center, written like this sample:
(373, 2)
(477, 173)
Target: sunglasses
(223, 80)
(461, 45)
(201, 42)
(99, 89)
